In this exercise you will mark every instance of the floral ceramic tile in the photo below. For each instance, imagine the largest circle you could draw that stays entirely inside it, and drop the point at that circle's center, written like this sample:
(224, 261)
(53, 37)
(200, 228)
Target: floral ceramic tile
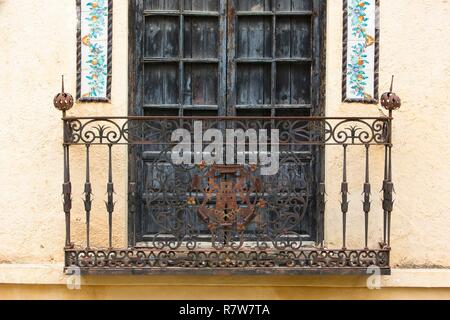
(94, 49)
(361, 54)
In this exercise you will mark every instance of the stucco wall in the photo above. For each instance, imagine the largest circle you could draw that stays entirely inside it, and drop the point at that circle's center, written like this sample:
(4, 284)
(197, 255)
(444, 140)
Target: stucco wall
(415, 47)
(38, 44)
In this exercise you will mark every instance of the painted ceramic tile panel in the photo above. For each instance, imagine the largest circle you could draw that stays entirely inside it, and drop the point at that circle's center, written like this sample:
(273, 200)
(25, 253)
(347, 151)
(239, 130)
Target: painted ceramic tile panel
(94, 42)
(361, 54)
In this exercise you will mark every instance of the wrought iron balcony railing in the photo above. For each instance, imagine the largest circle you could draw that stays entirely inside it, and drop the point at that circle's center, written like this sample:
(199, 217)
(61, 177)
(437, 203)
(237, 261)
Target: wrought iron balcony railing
(215, 218)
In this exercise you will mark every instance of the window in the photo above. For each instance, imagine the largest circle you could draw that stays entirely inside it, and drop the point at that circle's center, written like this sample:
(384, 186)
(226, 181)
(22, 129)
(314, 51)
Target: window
(230, 59)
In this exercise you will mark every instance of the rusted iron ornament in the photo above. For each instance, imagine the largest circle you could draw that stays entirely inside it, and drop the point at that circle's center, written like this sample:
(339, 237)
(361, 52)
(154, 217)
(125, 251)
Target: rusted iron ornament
(63, 101)
(389, 100)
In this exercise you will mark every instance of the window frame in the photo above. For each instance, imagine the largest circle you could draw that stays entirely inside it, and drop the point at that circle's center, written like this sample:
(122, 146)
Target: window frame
(318, 77)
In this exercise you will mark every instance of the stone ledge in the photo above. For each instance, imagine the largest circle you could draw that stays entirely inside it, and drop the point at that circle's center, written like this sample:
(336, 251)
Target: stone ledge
(52, 274)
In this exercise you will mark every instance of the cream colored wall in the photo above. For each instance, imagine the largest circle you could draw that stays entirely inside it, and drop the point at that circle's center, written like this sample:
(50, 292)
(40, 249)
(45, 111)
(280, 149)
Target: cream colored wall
(415, 47)
(38, 44)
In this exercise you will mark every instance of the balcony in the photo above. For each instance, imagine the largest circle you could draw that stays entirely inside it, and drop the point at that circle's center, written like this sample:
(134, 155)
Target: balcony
(230, 219)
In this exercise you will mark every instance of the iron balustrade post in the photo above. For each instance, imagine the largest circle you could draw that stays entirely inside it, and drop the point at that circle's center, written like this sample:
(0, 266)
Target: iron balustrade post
(321, 205)
(388, 190)
(367, 194)
(388, 187)
(88, 196)
(344, 202)
(319, 172)
(110, 193)
(67, 194)
(132, 193)
(390, 101)
(384, 190)
(389, 198)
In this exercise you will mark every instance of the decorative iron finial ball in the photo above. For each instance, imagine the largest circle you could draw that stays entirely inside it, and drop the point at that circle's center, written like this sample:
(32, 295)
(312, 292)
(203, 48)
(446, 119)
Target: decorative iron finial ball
(63, 101)
(389, 100)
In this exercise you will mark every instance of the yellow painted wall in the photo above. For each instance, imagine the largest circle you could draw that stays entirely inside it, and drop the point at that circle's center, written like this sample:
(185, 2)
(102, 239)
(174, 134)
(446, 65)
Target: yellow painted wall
(217, 293)
(38, 44)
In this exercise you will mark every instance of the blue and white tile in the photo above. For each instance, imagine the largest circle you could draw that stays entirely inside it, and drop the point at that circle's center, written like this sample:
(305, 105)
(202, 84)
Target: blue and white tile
(369, 16)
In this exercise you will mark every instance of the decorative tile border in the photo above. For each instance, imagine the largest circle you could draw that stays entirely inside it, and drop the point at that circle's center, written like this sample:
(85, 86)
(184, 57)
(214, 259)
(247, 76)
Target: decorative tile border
(361, 51)
(94, 50)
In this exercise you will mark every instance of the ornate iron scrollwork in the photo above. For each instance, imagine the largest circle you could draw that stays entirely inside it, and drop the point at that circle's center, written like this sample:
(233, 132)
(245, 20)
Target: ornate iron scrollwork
(234, 207)
(229, 216)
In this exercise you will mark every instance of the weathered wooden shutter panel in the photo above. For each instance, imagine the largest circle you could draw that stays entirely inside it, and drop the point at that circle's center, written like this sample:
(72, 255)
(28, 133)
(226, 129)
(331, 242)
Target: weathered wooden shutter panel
(228, 57)
(270, 60)
(184, 57)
